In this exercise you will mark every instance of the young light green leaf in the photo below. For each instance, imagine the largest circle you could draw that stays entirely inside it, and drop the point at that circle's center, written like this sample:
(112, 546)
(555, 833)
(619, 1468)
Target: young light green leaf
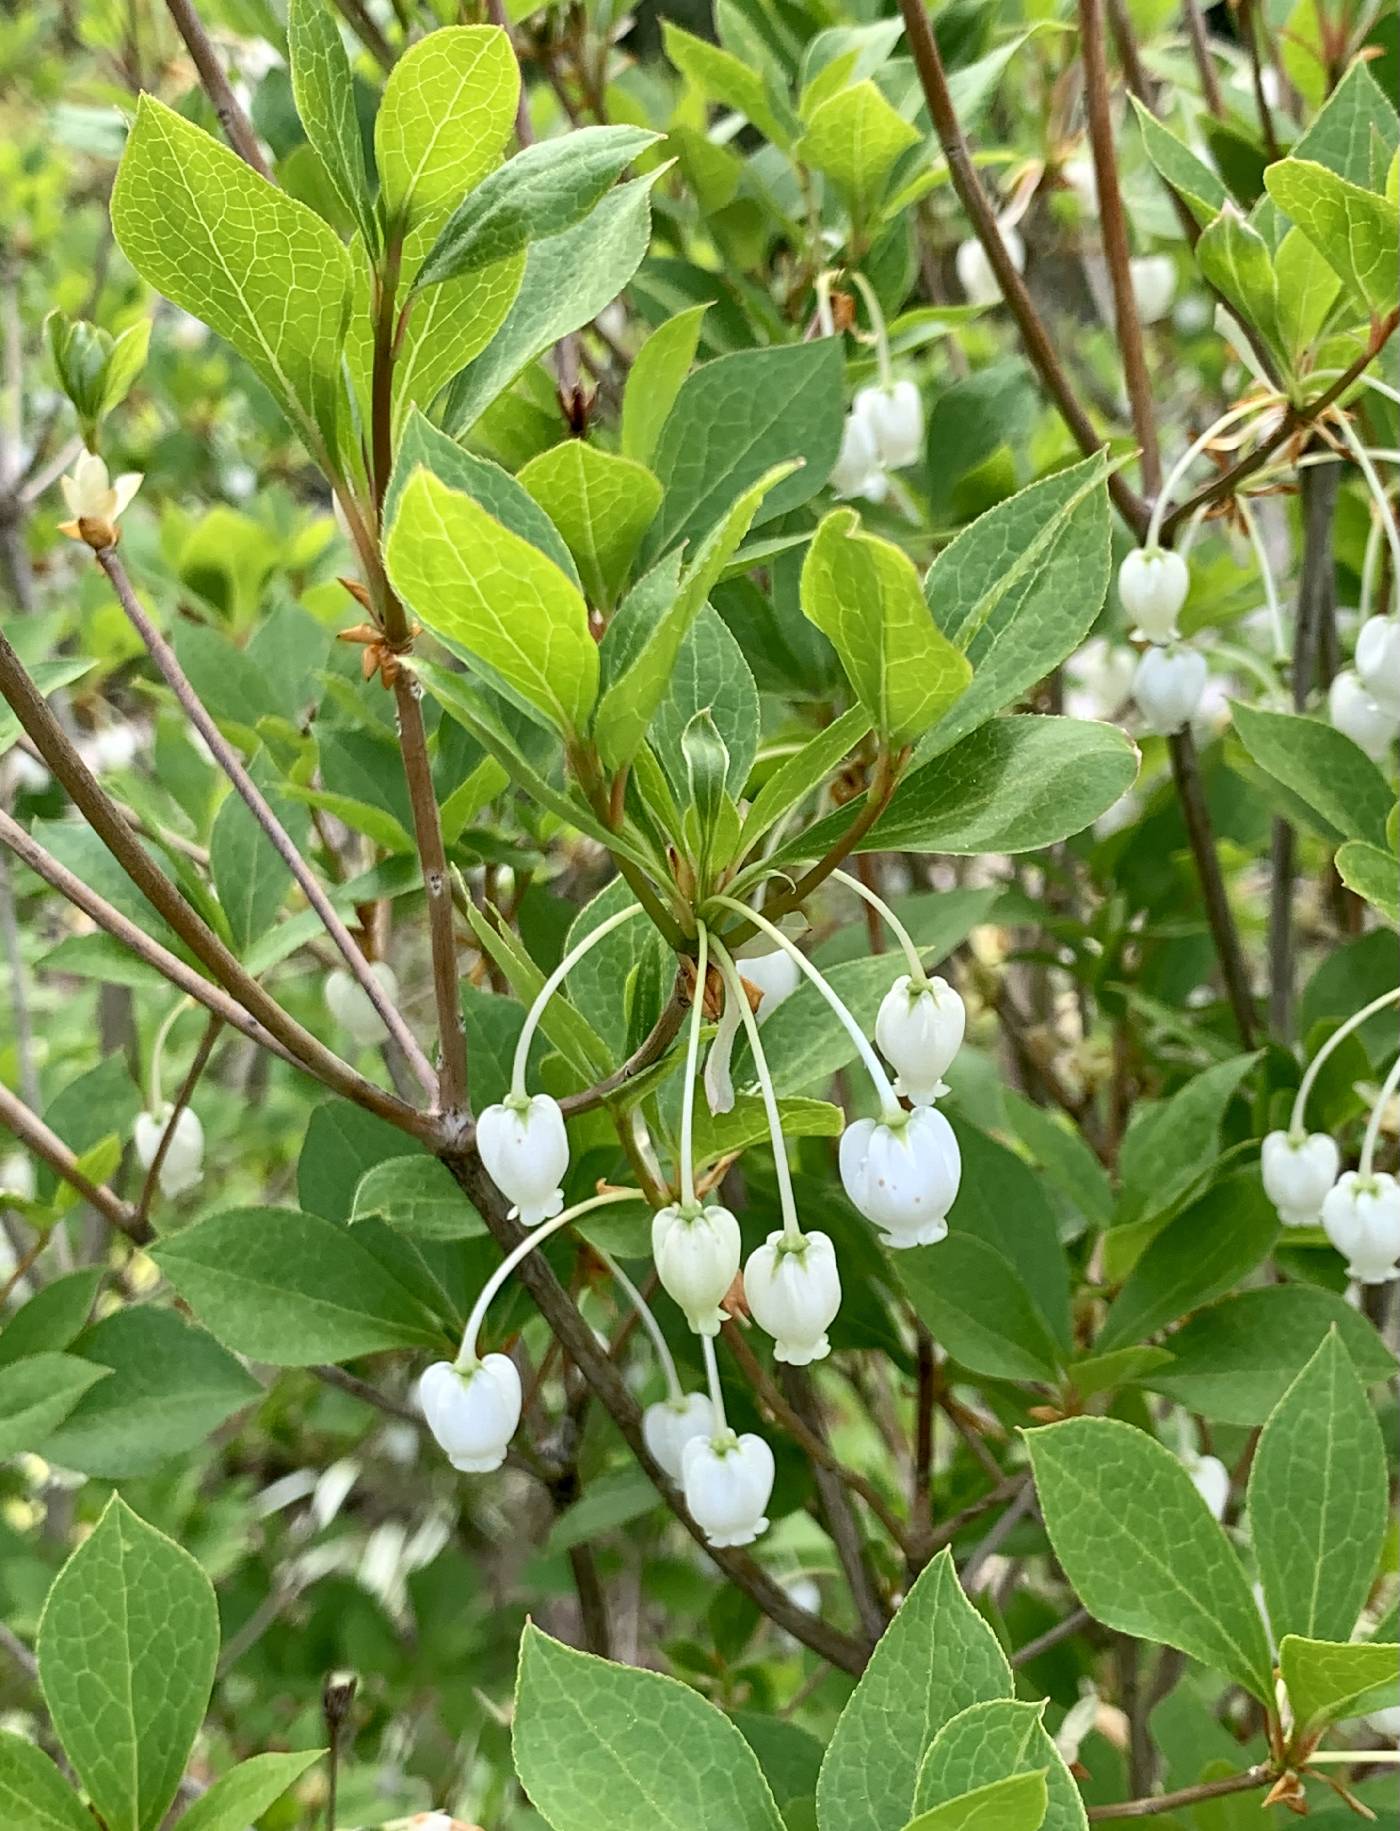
(443, 119)
(258, 267)
(475, 583)
(600, 1747)
(855, 137)
(804, 771)
(1192, 180)
(989, 1742)
(654, 381)
(240, 1797)
(1339, 785)
(33, 1794)
(936, 1658)
(290, 1288)
(863, 593)
(709, 673)
(721, 1134)
(602, 504)
(1141, 1548)
(127, 1645)
(1354, 230)
(37, 1394)
(542, 191)
(416, 1195)
(324, 89)
(718, 73)
(1371, 873)
(1354, 126)
(1318, 1499)
(1017, 1803)
(1307, 291)
(1235, 259)
(1327, 1681)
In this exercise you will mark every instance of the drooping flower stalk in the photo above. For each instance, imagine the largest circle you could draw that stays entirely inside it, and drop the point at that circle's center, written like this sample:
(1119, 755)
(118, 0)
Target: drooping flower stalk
(1334, 1041)
(1241, 410)
(1373, 1124)
(551, 986)
(466, 1354)
(917, 975)
(707, 1350)
(648, 1322)
(1266, 573)
(734, 989)
(879, 335)
(1373, 483)
(154, 1101)
(692, 1063)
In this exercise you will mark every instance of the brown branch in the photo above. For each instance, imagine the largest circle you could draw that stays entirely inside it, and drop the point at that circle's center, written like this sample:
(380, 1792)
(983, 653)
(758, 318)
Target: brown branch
(1186, 773)
(181, 1101)
(1248, 1782)
(662, 1034)
(281, 841)
(1062, 1630)
(842, 1526)
(1036, 339)
(31, 1131)
(358, 18)
(235, 123)
(1114, 226)
(1200, 50)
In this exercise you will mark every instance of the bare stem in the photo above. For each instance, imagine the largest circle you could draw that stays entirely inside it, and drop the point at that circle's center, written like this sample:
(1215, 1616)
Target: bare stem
(31, 1131)
(181, 1101)
(1200, 50)
(1248, 1782)
(235, 123)
(1186, 772)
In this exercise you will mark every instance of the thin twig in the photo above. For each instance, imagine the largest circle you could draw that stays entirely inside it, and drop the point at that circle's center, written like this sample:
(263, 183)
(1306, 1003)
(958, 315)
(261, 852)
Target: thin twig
(1200, 50)
(1248, 1782)
(181, 1101)
(841, 1523)
(1186, 772)
(211, 73)
(1063, 1629)
(662, 1034)
(361, 23)
(31, 1131)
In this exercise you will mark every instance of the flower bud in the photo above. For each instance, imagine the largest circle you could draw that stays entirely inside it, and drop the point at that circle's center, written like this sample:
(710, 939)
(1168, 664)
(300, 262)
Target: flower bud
(1211, 1480)
(1167, 687)
(903, 1177)
(728, 1481)
(94, 503)
(1152, 587)
(525, 1150)
(670, 1424)
(1378, 661)
(974, 270)
(183, 1163)
(1360, 716)
(776, 975)
(472, 1411)
(857, 471)
(1154, 286)
(1297, 1173)
(895, 417)
(1362, 1218)
(793, 1291)
(349, 1004)
(697, 1256)
(920, 1029)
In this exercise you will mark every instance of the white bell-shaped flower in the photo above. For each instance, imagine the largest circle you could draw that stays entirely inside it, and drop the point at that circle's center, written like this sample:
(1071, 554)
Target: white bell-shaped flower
(728, 1481)
(472, 1411)
(1298, 1172)
(1152, 587)
(1211, 1480)
(183, 1163)
(1378, 661)
(349, 1003)
(670, 1424)
(793, 1290)
(697, 1257)
(895, 416)
(776, 975)
(1385, 1722)
(1167, 687)
(1153, 279)
(524, 1146)
(17, 1175)
(1357, 714)
(903, 1177)
(857, 470)
(1362, 1217)
(920, 1029)
(92, 497)
(974, 270)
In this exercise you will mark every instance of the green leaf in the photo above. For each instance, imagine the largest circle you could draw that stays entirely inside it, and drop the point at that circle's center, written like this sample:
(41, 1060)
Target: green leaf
(542, 191)
(1372, 874)
(1318, 1499)
(324, 89)
(1307, 291)
(447, 107)
(1001, 1202)
(33, 1793)
(1356, 121)
(36, 1395)
(1339, 785)
(935, 1659)
(52, 1317)
(473, 582)
(1171, 1144)
(803, 772)
(600, 1747)
(1198, 1256)
(1354, 230)
(863, 593)
(1327, 1682)
(221, 242)
(290, 1288)
(168, 1386)
(1020, 589)
(1234, 257)
(979, 1308)
(237, 1799)
(718, 73)
(127, 1645)
(737, 417)
(1141, 1549)
(1234, 1361)
(1192, 179)
(602, 505)
(989, 1742)
(416, 1195)
(608, 1502)
(248, 872)
(48, 677)
(1015, 1804)
(710, 675)
(719, 1134)
(569, 278)
(654, 381)
(855, 138)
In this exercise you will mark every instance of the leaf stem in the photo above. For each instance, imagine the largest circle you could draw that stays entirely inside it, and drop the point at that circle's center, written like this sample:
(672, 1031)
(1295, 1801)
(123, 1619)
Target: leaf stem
(647, 1317)
(1373, 1124)
(917, 975)
(1250, 1781)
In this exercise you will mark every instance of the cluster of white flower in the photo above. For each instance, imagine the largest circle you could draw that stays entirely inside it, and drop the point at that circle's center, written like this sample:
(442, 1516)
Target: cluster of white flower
(1171, 678)
(1358, 1210)
(1364, 700)
(901, 1171)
